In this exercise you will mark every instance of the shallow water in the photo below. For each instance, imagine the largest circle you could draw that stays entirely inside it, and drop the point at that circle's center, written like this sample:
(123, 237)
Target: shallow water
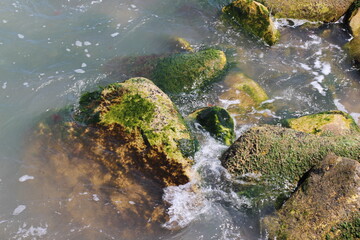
(52, 50)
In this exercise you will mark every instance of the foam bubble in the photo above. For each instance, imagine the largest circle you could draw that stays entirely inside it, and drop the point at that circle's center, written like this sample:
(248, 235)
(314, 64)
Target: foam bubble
(25, 178)
(19, 209)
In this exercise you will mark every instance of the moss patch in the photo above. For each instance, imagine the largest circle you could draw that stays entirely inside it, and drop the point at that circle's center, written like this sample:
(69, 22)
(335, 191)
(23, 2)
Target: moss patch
(335, 122)
(218, 122)
(348, 230)
(254, 18)
(353, 48)
(186, 72)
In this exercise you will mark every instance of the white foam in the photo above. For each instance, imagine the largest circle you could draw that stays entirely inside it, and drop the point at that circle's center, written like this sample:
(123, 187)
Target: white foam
(114, 34)
(78, 43)
(305, 66)
(4, 85)
(326, 68)
(32, 231)
(83, 65)
(79, 71)
(25, 178)
(318, 87)
(20, 36)
(19, 209)
(96, 197)
(226, 103)
(87, 43)
(132, 202)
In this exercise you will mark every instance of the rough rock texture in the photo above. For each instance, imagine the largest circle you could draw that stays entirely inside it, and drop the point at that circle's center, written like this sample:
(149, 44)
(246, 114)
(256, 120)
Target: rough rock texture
(353, 48)
(254, 18)
(328, 196)
(354, 22)
(333, 122)
(109, 169)
(217, 122)
(175, 73)
(279, 155)
(313, 10)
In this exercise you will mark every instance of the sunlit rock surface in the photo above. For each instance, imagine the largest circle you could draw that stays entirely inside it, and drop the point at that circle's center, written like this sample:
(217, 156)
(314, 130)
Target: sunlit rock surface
(253, 17)
(313, 10)
(277, 155)
(325, 205)
(332, 122)
(108, 173)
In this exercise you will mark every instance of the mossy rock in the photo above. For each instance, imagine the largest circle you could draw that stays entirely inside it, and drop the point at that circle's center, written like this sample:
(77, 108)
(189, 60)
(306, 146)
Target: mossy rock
(186, 72)
(313, 10)
(173, 73)
(178, 45)
(327, 199)
(333, 122)
(353, 48)
(254, 18)
(280, 156)
(139, 106)
(242, 94)
(217, 121)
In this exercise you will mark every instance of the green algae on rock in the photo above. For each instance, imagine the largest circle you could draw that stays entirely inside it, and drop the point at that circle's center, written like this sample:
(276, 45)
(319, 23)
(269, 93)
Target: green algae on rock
(327, 198)
(334, 122)
(246, 92)
(178, 44)
(313, 10)
(140, 107)
(188, 71)
(217, 121)
(173, 73)
(280, 155)
(254, 18)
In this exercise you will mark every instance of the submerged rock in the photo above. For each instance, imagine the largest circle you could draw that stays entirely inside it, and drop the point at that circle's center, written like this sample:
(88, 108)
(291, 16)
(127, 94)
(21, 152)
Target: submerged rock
(353, 48)
(327, 197)
(313, 10)
(242, 96)
(278, 156)
(254, 18)
(217, 121)
(335, 122)
(112, 166)
(175, 73)
(178, 44)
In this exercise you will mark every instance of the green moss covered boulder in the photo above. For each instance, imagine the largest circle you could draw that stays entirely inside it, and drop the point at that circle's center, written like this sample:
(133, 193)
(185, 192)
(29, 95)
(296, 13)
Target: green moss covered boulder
(313, 10)
(333, 122)
(326, 204)
(217, 121)
(254, 18)
(352, 19)
(280, 156)
(174, 73)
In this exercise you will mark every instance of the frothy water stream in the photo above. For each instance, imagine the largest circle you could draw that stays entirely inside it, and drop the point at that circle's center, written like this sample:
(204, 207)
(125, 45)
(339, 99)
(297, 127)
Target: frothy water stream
(53, 50)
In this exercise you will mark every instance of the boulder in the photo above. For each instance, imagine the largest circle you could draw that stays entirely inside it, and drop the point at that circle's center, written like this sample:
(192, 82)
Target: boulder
(333, 122)
(254, 18)
(327, 198)
(217, 121)
(108, 169)
(353, 48)
(174, 73)
(352, 19)
(312, 10)
(278, 156)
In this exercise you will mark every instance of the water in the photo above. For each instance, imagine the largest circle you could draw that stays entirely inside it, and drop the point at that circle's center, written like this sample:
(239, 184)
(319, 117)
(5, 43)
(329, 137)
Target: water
(52, 50)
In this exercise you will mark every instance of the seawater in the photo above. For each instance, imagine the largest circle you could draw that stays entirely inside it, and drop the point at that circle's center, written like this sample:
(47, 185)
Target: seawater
(53, 50)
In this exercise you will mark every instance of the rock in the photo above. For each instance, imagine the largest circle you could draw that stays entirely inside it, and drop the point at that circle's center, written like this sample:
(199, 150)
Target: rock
(327, 197)
(353, 48)
(178, 44)
(280, 156)
(217, 121)
(242, 93)
(313, 10)
(111, 166)
(242, 96)
(175, 73)
(186, 72)
(352, 19)
(334, 122)
(254, 18)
